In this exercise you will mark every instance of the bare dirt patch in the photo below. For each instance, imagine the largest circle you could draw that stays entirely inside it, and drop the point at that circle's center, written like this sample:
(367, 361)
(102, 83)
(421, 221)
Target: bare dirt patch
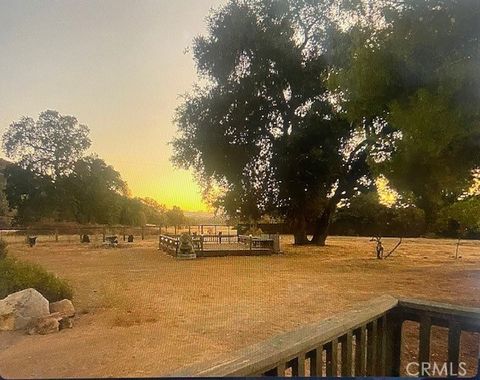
(143, 313)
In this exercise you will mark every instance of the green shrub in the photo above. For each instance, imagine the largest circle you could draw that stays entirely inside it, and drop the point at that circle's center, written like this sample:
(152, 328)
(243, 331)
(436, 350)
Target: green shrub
(3, 249)
(17, 275)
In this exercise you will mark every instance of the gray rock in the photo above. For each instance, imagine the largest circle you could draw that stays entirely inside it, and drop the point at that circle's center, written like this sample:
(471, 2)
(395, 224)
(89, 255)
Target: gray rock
(18, 309)
(64, 307)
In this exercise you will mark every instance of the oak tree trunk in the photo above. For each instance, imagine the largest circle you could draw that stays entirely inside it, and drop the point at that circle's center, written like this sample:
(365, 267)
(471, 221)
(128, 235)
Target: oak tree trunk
(322, 225)
(300, 230)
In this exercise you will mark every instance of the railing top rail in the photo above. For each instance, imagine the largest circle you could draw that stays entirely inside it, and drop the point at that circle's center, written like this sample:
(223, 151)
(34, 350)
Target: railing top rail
(202, 235)
(214, 236)
(166, 237)
(442, 312)
(264, 355)
(439, 307)
(255, 238)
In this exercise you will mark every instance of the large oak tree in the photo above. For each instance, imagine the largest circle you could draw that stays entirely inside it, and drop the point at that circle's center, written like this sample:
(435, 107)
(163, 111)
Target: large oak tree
(264, 129)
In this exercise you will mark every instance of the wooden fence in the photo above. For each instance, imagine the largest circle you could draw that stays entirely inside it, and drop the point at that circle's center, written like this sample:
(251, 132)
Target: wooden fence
(367, 341)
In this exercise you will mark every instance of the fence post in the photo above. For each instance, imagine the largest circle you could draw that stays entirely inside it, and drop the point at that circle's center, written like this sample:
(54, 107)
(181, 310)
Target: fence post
(251, 239)
(276, 242)
(201, 243)
(80, 234)
(56, 235)
(143, 232)
(104, 232)
(201, 229)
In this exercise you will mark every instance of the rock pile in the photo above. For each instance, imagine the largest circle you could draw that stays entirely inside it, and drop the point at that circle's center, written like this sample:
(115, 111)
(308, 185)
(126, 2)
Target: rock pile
(30, 311)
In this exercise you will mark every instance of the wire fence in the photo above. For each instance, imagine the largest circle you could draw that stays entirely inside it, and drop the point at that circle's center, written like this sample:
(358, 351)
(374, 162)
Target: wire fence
(98, 234)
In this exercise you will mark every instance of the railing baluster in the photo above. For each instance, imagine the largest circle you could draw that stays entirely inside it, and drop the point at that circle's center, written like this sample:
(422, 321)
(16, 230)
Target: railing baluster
(316, 362)
(360, 351)
(298, 366)
(331, 358)
(454, 332)
(394, 344)
(279, 370)
(371, 347)
(381, 345)
(347, 342)
(424, 339)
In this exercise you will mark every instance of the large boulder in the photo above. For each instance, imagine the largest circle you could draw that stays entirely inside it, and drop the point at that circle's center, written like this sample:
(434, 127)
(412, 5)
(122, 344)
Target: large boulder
(64, 307)
(18, 309)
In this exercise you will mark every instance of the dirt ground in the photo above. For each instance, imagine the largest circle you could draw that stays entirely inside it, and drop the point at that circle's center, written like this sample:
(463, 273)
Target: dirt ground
(144, 313)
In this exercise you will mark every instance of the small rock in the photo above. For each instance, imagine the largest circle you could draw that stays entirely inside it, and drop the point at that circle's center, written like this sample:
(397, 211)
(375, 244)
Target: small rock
(44, 325)
(64, 307)
(18, 309)
(65, 323)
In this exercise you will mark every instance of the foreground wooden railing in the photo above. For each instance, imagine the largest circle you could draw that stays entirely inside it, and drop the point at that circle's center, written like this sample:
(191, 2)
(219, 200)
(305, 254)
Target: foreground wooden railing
(366, 341)
(456, 319)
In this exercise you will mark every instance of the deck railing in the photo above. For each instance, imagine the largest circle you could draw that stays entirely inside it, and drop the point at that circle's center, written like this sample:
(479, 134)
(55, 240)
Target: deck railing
(366, 341)
(170, 243)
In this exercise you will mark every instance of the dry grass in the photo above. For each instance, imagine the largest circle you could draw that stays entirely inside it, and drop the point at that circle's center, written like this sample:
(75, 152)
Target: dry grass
(144, 313)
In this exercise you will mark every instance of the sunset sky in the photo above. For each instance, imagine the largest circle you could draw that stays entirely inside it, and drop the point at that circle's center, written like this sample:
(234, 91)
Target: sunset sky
(119, 66)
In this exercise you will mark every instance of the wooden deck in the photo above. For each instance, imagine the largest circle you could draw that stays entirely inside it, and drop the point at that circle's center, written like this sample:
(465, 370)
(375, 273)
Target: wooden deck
(237, 251)
(226, 245)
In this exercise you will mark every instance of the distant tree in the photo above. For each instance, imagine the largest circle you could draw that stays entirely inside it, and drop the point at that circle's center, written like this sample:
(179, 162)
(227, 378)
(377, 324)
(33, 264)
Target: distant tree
(155, 212)
(49, 146)
(32, 195)
(460, 218)
(52, 179)
(132, 212)
(175, 217)
(93, 191)
(4, 207)
(365, 216)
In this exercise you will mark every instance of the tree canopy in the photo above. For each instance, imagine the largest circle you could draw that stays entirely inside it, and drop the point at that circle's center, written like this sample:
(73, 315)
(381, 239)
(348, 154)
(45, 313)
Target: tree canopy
(420, 76)
(49, 146)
